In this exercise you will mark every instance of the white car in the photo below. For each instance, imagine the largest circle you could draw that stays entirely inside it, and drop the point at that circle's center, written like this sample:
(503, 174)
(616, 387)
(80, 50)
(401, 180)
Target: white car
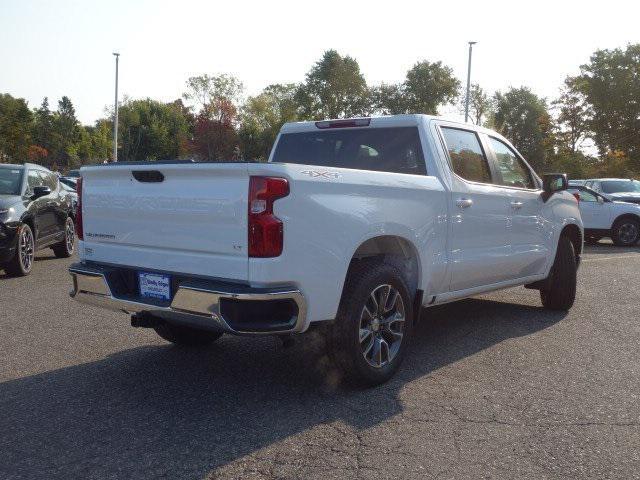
(353, 226)
(621, 189)
(603, 217)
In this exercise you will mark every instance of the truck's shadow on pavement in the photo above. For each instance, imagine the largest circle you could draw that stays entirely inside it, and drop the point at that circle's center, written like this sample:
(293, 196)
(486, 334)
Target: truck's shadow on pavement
(166, 411)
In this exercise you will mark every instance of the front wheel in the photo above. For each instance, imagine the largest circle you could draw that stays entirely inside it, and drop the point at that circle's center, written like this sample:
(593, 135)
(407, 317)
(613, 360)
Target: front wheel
(369, 336)
(560, 289)
(22, 262)
(626, 232)
(185, 336)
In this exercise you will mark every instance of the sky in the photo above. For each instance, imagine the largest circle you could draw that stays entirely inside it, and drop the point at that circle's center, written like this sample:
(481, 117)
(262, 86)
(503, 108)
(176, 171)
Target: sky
(64, 47)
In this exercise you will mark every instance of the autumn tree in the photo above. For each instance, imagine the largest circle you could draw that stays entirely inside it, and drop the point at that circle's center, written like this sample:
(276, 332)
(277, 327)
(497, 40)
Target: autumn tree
(333, 88)
(216, 99)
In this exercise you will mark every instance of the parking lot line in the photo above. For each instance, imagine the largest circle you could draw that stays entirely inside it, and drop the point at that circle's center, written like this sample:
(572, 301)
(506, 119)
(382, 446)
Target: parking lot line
(617, 257)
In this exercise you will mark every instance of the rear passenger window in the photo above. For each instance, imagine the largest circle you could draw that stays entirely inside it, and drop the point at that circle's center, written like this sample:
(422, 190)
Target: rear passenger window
(467, 158)
(512, 170)
(395, 149)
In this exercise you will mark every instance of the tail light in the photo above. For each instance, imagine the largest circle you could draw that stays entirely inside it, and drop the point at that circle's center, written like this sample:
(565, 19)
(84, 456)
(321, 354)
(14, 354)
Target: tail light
(577, 195)
(79, 230)
(266, 235)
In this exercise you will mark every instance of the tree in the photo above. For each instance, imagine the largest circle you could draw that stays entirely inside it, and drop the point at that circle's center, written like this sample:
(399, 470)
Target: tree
(334, 88)
(203, 90)
(574, 116)
(214, 128)
(152, 130)
(610, 83)
(427, 86)
(480, 104)
(522, 117)
(15, 129)
(66, 133)
(262, 116)
(43, 130)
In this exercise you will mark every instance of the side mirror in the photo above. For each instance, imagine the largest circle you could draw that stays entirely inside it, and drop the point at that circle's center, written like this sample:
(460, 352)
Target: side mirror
(40, 192)
(600, 200)
(553, 183)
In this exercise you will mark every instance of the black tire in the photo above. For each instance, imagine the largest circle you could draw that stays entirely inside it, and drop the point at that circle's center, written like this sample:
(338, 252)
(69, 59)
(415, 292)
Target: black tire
(186, 336)
(20, 265)
(560, 291)
(66, 247)
(625, 232)
(343, 335)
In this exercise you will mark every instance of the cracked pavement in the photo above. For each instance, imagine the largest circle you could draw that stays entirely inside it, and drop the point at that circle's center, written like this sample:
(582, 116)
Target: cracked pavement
(493, 387)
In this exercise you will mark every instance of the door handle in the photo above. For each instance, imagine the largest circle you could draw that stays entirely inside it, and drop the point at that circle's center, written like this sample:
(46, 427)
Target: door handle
(516, 205)
(464, 202)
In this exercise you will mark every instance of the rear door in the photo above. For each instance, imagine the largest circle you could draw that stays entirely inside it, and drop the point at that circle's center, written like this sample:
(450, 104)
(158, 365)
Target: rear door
(529, 224)
(479, 248)
(44, 222)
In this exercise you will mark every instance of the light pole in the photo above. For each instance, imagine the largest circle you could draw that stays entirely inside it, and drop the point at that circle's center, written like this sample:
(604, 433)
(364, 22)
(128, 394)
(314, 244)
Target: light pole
(466, 102)
(115, 119)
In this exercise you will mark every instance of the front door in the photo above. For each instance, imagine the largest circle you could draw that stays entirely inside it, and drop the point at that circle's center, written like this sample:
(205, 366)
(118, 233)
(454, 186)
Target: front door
(530, 225)
(595, 214)
(478, 246)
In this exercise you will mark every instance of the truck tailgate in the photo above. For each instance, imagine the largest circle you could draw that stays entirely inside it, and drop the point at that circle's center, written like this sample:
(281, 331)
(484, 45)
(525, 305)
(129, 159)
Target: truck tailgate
(189, 218)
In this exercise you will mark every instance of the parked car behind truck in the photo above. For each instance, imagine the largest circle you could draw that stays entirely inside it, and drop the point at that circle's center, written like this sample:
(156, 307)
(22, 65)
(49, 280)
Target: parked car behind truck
(35, 213)
(352, 226)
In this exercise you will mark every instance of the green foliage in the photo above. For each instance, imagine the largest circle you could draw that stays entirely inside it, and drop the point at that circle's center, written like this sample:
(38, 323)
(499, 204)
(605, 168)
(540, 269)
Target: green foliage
(610, 83)
(574, 116)
(263, 115)
(480, 104)
(426, 87)
(151, 130)
(334, 88)
(15, 129)
(522, 117)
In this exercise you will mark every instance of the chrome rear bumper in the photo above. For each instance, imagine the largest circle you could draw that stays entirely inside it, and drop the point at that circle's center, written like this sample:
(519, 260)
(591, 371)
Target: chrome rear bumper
(192, 299)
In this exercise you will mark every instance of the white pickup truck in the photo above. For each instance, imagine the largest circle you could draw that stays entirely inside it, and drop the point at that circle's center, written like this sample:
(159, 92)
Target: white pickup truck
(352, 224)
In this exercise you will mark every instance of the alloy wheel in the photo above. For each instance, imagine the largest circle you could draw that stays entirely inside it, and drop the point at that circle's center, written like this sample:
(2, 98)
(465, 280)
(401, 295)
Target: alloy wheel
(628, 233)
(70, 235)
(26, 249)
(382, 323)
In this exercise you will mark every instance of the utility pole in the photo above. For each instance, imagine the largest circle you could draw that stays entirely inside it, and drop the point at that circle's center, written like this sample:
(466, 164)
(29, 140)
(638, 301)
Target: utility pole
(466, 102)
(115, 119)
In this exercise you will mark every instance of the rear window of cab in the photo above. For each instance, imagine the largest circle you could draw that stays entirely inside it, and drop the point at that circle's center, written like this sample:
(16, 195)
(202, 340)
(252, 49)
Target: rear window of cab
(394, 149)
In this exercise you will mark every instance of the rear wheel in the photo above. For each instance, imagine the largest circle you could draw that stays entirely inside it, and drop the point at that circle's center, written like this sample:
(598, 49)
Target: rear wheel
(369, 336)
(560, 289)
(22, 263)
(190, 337)
(65, 248)
(625, 232)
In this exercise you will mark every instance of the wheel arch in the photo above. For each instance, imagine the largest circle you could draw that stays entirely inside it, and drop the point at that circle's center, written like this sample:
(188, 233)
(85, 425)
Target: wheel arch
(623, 216)
(395, 250)
(573, 232)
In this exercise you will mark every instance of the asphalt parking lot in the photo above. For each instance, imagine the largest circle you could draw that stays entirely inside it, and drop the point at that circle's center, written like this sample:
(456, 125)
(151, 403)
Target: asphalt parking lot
(494, 387)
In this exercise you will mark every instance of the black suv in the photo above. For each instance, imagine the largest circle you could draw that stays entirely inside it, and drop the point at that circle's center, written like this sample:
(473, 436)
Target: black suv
(35, 213)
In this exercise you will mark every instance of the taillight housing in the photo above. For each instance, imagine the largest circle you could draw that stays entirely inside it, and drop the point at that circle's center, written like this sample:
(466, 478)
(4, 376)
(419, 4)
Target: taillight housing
(266, 235)
(78, 219)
